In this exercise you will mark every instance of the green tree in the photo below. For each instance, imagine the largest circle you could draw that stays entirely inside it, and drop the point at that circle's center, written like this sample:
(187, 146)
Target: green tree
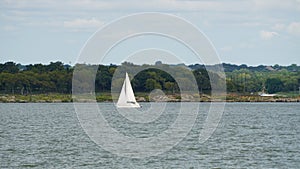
(169, 86)
(202, 79)
(152, 84)
(274, 85)
(9, 67)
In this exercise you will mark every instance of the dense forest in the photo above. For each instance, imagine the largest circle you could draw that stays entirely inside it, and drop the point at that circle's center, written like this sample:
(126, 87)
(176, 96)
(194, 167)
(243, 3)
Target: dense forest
(56, 77)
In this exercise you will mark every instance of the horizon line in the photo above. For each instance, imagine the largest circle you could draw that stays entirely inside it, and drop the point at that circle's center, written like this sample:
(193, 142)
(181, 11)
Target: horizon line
(72, 64)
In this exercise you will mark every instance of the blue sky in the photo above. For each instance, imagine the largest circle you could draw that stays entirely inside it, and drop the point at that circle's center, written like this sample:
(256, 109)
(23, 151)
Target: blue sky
(251, 32)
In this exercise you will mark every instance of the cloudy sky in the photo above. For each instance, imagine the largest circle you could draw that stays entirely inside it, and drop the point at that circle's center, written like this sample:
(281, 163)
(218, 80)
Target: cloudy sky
(251, 32)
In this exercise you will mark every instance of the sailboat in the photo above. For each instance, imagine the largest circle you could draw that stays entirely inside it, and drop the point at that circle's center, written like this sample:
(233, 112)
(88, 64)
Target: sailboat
(127, 98)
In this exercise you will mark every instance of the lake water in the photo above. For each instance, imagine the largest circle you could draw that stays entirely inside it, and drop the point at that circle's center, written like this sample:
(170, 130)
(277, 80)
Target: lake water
(249, 135)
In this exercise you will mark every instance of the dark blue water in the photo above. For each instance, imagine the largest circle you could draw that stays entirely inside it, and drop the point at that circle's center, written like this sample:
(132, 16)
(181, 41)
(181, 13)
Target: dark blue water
(249, 135)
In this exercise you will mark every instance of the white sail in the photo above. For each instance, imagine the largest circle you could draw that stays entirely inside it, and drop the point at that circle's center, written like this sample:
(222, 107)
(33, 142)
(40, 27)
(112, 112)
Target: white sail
(127, 98)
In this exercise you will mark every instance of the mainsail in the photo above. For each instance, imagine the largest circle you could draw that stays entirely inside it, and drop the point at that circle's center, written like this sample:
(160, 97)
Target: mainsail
(127, 98)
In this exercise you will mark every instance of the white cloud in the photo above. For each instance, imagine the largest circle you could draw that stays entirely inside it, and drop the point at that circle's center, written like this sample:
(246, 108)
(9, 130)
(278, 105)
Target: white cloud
(83, 24)
(266, 35)
(294, 28)
(9, 28)
(216, 11)
(277, 5)
(279, 27)
(157, 5)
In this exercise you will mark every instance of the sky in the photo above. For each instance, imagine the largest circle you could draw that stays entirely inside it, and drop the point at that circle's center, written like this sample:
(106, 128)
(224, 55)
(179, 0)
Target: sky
(252, 32)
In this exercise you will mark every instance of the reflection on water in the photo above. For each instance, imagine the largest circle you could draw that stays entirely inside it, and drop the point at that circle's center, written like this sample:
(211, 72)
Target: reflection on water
(250, 135)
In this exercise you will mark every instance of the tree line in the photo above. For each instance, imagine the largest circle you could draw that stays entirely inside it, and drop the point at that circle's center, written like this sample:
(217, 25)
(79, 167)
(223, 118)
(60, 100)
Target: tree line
(56, 77)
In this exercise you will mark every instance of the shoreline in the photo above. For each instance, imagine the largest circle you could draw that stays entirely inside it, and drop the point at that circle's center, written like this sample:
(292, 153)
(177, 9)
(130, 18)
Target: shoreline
(67, 98)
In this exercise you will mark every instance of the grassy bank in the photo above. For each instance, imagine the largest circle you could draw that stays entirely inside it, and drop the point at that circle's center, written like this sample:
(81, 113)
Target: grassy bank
(36, 98)
(256, 98)
(144, 97)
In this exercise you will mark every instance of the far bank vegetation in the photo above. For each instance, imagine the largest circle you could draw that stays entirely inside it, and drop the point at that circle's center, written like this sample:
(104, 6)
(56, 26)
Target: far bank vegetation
(53, 82)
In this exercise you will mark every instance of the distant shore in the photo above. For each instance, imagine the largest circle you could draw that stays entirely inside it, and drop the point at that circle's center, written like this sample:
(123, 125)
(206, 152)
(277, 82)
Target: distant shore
(143, 97)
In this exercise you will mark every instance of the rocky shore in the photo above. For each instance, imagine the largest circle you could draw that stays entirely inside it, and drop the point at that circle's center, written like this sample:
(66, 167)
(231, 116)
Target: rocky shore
(61, 98)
